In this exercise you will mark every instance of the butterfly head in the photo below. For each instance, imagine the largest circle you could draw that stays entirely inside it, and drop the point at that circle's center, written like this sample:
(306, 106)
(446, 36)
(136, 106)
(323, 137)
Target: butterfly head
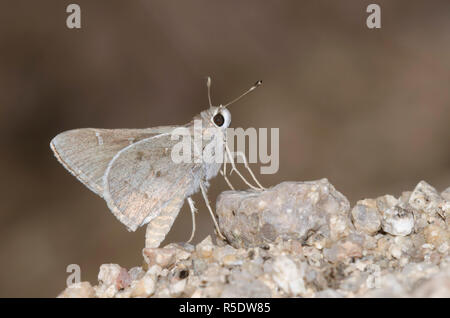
(220, 116)
(217, 117)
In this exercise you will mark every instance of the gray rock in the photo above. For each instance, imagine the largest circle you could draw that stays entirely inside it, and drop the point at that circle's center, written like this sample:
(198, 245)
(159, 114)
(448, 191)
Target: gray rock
(446, 194)
(163, 257)
(289, 276)
(425, 198)
(436, 287)
(344, 250)
(365, 216)
(245, 285)
(396, 220)
(145, 286)
(78, 290)
(329, 293)
(290, 210)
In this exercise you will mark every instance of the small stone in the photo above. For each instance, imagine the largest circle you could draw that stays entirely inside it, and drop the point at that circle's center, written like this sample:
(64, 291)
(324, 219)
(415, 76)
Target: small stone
(253, 267)
(145, 287)
(199, 266)
(177, 288)
(443, 248)
(436, 287)
(230, 260)
(420, 221)
(383, 244)
(355, 282)
(444, 209)
(396, 220)
(244, 285)
(404, 198)
(342, 251)
(136, 273)
(317, 240)
(437, 236)
(370, 242)
(124, 279)
(365, 216)
(426, 199)
(114, 275)
(386, 202)
(156, 270)
(329, 293)
(295, 247)
(288, 276)
(205, 248)
(182, 250)
(109, 273)
(220, 252)
(313, 256)
(198, 293)
(385, 286)
(78, 290)
(396, 251)
(446, 194)
(163, 257)
(435, 258)
(105, 291)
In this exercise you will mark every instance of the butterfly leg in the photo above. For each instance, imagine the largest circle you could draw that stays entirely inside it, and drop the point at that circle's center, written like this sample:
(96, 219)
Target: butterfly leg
(205, 197)
(233, 168)
(240, 153)
(193, 211)
(223, 172)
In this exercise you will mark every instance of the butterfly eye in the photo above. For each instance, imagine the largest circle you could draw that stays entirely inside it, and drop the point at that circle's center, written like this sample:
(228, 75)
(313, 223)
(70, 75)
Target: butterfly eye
(219, 120)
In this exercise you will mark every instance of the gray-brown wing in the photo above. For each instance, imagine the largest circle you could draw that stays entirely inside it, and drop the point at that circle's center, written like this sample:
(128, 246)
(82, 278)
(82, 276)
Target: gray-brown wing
(87, 152)
(142, 179)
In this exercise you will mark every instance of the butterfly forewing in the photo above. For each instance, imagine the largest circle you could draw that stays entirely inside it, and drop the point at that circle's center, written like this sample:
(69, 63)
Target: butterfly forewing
(87, 152)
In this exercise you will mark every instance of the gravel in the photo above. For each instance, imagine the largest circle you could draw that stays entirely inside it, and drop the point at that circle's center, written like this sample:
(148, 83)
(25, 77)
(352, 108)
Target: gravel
(300, 239)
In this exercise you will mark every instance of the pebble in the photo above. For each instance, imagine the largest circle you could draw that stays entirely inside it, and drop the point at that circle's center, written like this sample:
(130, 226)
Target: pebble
(426, 199)
(163, 257)
(78, 290)
(288, 276)
(396, 220)
(365, 216)
(145, 286)
(205, 248)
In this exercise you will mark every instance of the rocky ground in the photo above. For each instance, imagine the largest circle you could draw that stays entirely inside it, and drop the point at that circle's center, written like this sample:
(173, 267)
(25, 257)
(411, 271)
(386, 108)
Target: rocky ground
(300, 239)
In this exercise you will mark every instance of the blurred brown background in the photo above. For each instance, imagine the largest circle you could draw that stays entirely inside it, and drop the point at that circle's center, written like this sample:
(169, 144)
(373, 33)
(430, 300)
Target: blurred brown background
(368, 109)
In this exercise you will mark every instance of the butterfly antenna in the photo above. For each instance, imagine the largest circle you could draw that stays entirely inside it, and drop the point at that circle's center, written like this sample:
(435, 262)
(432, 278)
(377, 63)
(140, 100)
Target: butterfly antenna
(258, 83)
(208, 85)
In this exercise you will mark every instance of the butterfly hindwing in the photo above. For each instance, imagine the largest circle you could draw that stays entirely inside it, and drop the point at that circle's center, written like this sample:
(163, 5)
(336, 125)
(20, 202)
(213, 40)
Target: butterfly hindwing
(142, 179)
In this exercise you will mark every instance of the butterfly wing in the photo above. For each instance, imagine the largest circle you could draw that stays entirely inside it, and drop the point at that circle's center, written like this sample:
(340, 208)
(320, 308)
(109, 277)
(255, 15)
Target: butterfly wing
(87, 152)
(142, 180)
